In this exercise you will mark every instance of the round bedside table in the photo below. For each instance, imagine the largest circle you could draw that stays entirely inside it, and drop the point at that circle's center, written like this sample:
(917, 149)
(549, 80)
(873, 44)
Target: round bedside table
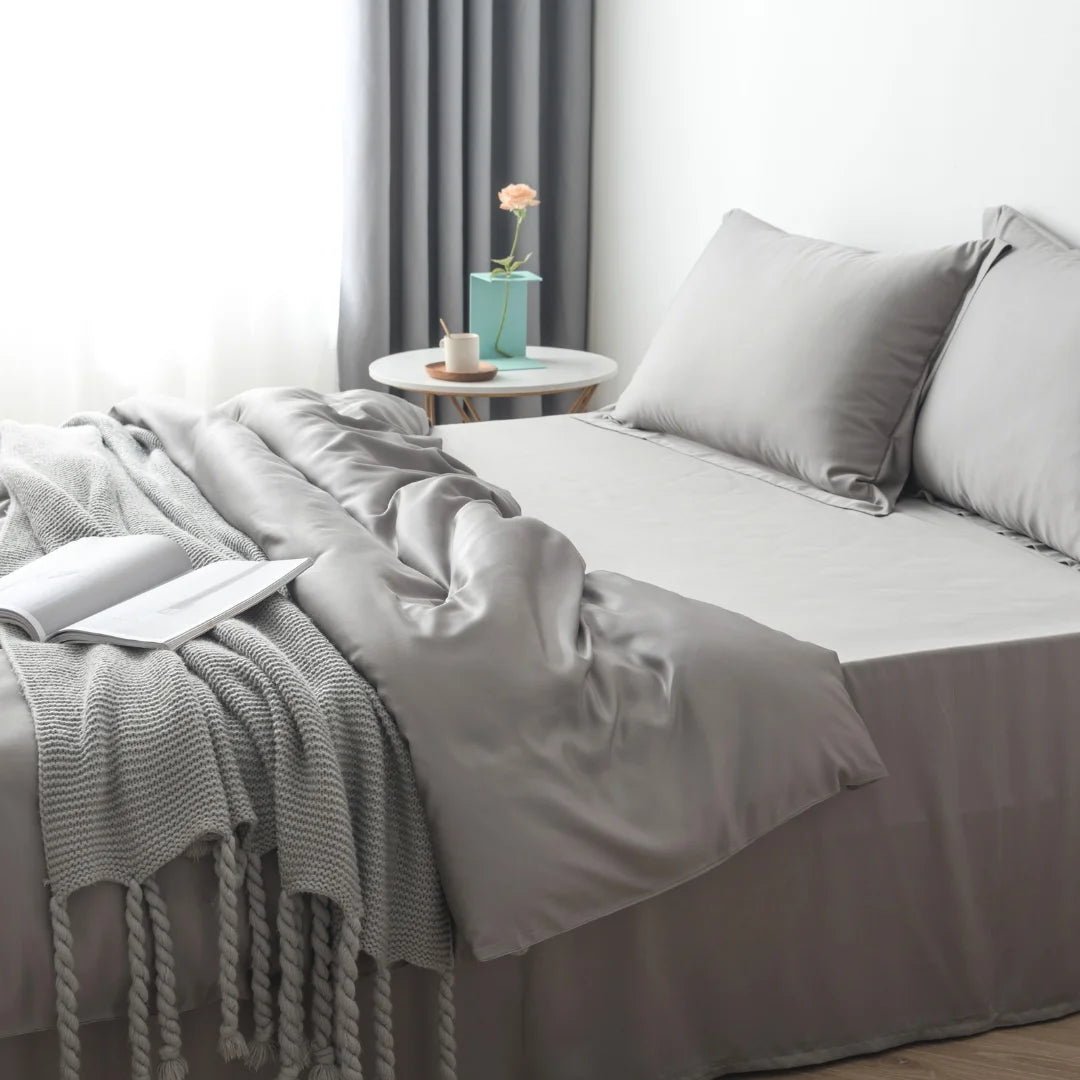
(564, 369)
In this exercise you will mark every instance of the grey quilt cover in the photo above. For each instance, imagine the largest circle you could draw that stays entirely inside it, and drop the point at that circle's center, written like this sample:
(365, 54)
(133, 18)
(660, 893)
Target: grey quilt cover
(582, 741)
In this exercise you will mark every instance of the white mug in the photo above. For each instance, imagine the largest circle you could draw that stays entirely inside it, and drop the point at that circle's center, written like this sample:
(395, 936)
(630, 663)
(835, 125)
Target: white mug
(462, 352)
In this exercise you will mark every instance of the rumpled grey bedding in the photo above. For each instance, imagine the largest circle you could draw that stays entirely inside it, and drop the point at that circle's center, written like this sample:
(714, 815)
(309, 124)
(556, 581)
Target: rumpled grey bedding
(941, 901)
(581, 741)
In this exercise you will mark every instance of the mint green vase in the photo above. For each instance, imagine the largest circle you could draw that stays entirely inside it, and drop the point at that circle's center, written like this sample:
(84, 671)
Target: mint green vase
(487, 293)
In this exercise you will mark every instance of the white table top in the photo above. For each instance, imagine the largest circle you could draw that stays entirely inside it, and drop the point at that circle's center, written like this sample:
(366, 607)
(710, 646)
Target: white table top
(566, 369)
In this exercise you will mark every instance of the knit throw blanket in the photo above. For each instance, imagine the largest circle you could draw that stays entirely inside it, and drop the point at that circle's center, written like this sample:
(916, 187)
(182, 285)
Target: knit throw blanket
(258, 736)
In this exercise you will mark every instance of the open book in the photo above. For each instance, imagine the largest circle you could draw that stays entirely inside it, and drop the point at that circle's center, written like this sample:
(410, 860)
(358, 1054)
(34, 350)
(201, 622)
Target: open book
(133, 590)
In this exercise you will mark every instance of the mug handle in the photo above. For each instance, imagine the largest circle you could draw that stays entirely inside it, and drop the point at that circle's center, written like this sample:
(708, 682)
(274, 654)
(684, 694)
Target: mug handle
(442, 343)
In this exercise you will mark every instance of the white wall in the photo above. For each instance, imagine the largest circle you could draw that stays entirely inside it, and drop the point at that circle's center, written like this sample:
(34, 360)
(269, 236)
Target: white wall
(881, 123)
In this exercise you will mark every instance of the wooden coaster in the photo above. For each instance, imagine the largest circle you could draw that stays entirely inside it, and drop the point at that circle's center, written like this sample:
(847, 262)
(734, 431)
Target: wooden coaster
(438, 371)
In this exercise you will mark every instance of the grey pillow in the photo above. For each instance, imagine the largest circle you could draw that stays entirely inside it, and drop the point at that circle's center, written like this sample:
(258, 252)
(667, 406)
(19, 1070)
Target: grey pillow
(803, 356)
(999, 431)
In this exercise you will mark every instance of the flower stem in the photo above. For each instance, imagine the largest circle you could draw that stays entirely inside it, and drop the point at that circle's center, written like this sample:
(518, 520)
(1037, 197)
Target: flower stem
(506, 295)
(502, 320)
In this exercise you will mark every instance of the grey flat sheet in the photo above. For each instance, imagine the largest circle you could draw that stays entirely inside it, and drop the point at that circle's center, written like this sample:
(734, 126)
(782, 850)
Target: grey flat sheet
(581, 741)
(939, 901)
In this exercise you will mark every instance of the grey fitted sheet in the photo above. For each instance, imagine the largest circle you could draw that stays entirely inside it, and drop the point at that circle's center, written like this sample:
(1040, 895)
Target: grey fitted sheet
(665, 510)
(939, 901)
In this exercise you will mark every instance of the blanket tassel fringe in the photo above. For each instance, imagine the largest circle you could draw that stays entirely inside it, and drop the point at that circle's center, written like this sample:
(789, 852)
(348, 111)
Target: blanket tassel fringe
(334, 1051)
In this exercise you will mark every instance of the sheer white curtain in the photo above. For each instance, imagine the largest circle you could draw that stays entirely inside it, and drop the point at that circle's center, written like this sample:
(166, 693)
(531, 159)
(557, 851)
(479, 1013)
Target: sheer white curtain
(170, 199)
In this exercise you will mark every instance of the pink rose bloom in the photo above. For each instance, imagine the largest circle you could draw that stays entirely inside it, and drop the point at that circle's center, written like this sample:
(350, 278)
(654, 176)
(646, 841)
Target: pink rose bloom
(517, 197)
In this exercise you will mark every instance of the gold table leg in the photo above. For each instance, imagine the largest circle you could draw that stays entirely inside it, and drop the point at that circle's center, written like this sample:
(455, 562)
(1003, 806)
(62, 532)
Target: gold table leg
(429, 407)
(583, 399)
(465, 409)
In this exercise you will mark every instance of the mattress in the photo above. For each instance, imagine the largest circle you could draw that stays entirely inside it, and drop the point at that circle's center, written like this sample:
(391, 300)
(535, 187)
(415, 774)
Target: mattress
(940, 901)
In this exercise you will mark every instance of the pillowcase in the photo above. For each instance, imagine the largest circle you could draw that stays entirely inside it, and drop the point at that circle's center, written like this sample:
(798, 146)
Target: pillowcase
(803, 356)
(999, 431)
(1005, 223)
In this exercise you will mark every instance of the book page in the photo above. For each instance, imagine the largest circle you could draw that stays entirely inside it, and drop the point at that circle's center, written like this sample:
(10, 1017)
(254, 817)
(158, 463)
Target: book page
(169, 615)
(82, 577)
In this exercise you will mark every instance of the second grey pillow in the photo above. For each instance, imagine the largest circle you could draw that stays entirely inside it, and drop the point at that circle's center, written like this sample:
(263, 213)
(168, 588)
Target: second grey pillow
(999, 432)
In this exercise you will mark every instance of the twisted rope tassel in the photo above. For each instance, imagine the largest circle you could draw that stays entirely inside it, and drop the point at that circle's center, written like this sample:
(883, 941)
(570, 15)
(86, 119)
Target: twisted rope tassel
(447, 1040)
(172, 1066)
(261, 1047)
(322, 998)
(139, 991)
(231, 1043)
(67, 990)
(346, 1010)
(291, 994)
(384, 1025)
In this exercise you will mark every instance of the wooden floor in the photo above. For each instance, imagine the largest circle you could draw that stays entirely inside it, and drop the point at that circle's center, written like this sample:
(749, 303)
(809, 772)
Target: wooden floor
(1049, 1051)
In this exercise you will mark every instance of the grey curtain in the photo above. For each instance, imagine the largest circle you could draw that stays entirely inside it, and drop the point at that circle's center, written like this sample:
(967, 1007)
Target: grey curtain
(450, 101)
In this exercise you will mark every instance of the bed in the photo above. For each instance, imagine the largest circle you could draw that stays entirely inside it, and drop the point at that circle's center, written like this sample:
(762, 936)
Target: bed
(939, 901)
